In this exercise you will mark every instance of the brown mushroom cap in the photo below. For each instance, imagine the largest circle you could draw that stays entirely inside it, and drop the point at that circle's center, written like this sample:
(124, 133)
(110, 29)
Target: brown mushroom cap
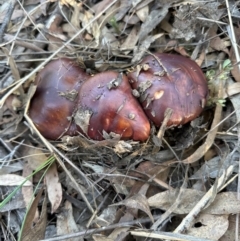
(170, 81)
(108, 98)
(53, 103)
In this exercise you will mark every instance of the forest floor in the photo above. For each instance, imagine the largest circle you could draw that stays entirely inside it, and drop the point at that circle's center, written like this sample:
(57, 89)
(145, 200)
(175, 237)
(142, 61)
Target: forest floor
(180, 184)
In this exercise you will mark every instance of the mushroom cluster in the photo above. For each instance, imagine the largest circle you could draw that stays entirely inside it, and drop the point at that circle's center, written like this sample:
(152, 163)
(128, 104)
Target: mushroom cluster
(68, 101)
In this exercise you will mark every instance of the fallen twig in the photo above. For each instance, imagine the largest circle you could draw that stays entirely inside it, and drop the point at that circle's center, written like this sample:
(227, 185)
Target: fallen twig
(204, 202)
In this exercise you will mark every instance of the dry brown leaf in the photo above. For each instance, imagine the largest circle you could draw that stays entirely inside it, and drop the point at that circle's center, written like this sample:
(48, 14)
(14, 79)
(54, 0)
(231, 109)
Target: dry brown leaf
(13, 180)
(13, 103)
(37, 231)
(141, 50)
(149, 171)
(125, 5)
(224, 203)
(137, 201)
(66, 223)
(54, 188)
(13, 167)
(232, 89)
(181, 50)
(216, 42)
(213, 168)
(131, 40)
(118, 232)
(154, 18)
(131, 19)
(27, 192)
(107, 216)
(230, 234)
(143, 13)
(201, 58)
(100, 6)
(16, 203)
(166, 199)
(92, 29)
(220, 45)
(209, 226)
(100, 237)
(55, 32)
(35, 157)
(76, 15)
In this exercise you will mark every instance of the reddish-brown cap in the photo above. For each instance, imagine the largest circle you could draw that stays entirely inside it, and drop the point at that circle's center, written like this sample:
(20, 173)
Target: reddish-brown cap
(106, 104)
(54, 101)
(170, 81)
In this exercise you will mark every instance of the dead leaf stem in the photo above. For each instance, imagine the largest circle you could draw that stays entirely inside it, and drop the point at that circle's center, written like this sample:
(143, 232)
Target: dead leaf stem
(204, 202)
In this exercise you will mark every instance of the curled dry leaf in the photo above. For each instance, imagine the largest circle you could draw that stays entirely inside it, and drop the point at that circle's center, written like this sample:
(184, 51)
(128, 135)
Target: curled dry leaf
(35, 231)
(210, 227)
(66, 223)
(54, 188)
(137, 201)
(187, 202)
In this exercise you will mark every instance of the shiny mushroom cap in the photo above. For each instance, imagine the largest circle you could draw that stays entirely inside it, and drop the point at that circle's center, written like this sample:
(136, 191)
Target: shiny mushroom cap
(53, 103)
(170, 81)
(107, 100)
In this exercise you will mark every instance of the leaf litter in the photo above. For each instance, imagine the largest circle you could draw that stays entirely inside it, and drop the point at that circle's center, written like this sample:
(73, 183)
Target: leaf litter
(98, 190)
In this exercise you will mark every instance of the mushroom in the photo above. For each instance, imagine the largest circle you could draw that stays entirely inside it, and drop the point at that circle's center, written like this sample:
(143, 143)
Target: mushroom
(54, 101)
(106, 103)
(169, 81)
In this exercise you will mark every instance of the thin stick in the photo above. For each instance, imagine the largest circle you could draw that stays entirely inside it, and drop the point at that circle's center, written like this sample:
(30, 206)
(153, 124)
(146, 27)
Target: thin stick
(167, 235)
(233, 37)
(205, 201)
(98, 230)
